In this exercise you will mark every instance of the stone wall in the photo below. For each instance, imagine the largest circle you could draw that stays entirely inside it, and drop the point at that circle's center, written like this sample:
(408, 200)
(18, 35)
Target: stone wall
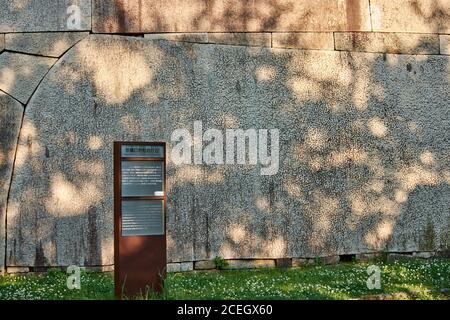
(358, 89)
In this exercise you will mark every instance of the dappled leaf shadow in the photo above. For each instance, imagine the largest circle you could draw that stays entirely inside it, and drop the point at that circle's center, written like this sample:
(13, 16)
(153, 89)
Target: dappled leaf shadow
(363, 141)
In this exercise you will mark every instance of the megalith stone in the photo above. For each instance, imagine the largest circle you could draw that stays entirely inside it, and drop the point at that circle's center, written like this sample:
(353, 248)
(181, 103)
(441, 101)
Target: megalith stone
(363, 163)
(11, 112)
(20, 74)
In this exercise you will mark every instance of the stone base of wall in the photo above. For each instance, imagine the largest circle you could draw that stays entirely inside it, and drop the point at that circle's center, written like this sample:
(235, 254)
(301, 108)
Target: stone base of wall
(180, 266)
(237, 264)
(38, 270)
(17, 270)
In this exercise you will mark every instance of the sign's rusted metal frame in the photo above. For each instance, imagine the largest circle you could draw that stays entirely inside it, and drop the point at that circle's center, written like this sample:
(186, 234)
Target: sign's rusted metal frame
(139, 261)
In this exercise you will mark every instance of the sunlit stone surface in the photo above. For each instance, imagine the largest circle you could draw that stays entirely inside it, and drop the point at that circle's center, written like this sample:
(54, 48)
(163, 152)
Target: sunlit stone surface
(20, 74)
(364, 151)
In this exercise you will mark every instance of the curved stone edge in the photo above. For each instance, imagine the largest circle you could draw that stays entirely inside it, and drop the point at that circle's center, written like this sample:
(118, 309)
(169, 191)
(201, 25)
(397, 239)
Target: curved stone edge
(22, 73)
(11, 113)
(32, 57)
(23, 144)
(48, 44)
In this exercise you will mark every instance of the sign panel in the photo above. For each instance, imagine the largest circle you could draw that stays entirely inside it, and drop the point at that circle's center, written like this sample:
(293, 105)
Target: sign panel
(139, 215)
(142, 218)
(142, 178)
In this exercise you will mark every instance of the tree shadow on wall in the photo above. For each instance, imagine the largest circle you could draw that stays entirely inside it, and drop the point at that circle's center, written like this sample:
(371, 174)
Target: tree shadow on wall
(226, 16)
(363, 143)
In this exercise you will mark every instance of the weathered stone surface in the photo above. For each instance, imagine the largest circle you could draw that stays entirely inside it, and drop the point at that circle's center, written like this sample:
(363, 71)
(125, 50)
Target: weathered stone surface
(303, 40)
(44, 15)
(15, 270)
(330, 259)
(51, 44)
(180, 267)
(363, 151)
(230, 15)
(20, 74)
(11, 113)
(109, 268)
(423, 255)
(387, 42)
(399, 256)
(204, 265)
(250, 263)
(388, 296)
(2, 42)
(301, 262)
(365, 257)
(444, 44)
(241, 38)
(443, 254)
(173, 267)
(283, 262)
(420, 16)
(185, 37)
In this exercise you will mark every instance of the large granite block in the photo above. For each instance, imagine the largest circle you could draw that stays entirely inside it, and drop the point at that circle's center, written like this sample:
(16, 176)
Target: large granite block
(363, 163)
(419, 16)
(230, 16)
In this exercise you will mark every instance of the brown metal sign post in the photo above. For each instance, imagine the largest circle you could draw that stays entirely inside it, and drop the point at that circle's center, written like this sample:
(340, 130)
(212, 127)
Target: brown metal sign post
(139, 217)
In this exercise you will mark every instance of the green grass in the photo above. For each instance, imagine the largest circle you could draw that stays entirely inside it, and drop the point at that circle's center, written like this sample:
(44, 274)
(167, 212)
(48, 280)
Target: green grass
(418, 279)
(53, 286)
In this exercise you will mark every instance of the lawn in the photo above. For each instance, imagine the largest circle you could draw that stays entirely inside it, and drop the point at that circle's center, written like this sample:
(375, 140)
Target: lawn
(415, 279)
